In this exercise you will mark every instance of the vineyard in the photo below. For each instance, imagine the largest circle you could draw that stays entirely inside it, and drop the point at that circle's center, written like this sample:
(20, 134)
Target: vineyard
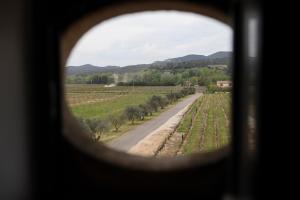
(205, 127)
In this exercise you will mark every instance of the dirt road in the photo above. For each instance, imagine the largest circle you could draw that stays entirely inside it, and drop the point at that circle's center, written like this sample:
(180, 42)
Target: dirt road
(128, 140)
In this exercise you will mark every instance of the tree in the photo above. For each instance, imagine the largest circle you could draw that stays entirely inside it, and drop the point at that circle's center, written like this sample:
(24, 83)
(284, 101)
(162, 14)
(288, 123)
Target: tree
(142, 111)
(171, 97)
(101, 128)
(84, 125)
(164, 102)
(145, 110)
(153, 104)
(194, 80)
(132, 113)
(158, 101)
(92, 124)
(149, 108)
(116, 121)
(98, 127)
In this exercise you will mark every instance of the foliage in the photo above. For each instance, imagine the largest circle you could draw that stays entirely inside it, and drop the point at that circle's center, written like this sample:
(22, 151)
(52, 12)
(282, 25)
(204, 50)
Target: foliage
(196, 76)
(158, 100)
(84, 125)
(153, 105)
(96, 127)
(214, 88)
(117, 121)
(132, 113)
(101, 78)
(139, 112)
(144, 110)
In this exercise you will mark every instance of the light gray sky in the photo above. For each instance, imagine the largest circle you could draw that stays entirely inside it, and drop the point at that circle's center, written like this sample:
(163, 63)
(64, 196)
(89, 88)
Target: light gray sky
(145, 37)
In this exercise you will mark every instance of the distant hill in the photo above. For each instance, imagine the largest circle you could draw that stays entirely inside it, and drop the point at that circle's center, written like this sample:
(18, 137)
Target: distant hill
(187, 58)
(220, 54)
(188, 61)
(194, 57)
(91, 69)
(88, 69)
(192, 61)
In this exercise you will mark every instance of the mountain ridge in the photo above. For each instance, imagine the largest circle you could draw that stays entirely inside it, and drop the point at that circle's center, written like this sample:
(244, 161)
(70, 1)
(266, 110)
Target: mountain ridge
(220, 56)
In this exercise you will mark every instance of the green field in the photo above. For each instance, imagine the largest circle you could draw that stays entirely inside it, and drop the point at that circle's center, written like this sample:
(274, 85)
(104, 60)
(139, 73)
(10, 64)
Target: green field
(97, 101)
(206, 126)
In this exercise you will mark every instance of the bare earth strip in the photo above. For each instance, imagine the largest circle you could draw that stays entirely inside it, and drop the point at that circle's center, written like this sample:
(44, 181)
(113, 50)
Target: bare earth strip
(171, 146)
(149, 137)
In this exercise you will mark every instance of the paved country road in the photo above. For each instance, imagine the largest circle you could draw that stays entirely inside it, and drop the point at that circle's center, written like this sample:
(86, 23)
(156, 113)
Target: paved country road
(131, 138)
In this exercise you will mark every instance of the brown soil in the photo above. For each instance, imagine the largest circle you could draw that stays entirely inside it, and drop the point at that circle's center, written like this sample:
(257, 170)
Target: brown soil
(172, 145)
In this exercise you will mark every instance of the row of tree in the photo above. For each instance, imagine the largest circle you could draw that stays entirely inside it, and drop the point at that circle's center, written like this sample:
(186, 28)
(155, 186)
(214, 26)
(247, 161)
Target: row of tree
(96, 127)
(101, 78)
(202, 76)
(197, 76)
(191, 64)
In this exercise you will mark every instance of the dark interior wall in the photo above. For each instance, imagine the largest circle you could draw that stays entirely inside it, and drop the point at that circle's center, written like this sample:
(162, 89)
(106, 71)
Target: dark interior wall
(36, 161)
(14, 146)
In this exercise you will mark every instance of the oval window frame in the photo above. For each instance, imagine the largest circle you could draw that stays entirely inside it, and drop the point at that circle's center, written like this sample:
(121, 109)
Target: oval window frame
(71, 129)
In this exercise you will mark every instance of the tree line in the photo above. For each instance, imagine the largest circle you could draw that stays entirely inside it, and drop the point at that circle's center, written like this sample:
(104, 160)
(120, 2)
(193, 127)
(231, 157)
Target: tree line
(101, 78)
(202, 76)
(96, 127)
(197, 76)
(191, 64)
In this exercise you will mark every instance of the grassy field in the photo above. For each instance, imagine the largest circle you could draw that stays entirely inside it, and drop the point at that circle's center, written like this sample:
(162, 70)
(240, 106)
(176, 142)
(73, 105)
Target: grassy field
(206, 125)
(97, 101)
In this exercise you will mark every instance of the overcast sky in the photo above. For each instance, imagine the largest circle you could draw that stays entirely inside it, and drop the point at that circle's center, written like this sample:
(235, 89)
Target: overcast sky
(146, 37)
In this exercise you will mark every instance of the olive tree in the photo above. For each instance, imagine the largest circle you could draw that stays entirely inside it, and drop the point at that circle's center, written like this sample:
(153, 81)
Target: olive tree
(116, 121)
(97, 127)
(132, 113)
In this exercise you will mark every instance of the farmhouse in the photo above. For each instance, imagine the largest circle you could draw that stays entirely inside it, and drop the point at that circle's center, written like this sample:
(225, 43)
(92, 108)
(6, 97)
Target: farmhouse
(224, 84)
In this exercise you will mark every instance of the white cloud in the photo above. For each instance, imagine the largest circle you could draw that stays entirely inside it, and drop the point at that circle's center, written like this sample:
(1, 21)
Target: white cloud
(150, 36)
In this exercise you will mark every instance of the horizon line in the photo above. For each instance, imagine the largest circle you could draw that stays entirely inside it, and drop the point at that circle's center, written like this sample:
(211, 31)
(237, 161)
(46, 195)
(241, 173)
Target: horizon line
(144, 63)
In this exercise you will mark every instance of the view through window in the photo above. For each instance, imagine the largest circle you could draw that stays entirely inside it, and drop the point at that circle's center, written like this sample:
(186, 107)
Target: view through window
(153, 83)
